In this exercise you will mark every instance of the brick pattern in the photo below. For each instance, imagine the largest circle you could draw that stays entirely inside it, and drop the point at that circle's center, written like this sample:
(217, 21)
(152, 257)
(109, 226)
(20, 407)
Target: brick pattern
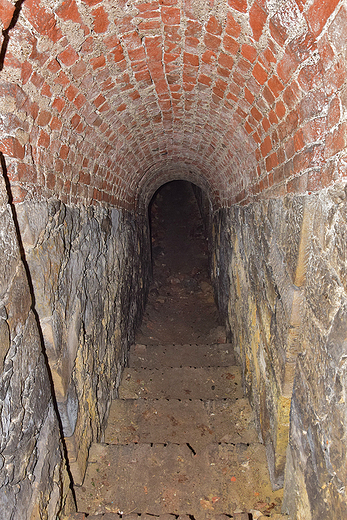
(111, 100)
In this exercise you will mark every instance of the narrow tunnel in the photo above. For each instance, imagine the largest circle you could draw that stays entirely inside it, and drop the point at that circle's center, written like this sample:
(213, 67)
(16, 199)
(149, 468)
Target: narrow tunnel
(102, 103)
(181, 306)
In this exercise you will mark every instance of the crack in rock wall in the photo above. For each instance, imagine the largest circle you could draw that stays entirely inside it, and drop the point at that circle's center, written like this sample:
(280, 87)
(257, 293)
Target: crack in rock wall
(34, 482)
(280, 279)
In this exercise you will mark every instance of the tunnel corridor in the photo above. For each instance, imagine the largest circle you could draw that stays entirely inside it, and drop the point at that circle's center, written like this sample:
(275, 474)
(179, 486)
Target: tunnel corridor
(181, 304)
(180, 439)
(107, 105)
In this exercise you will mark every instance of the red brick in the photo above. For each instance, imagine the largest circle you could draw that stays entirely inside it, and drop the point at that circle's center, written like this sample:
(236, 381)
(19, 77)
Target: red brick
(6, 13)
(318, 14)
(266, 146)
(230, 44)
(190, 59)
(111, 41)
(335, 141)
(259, 74)
(266, 124)
(153, 48)
(170, 57)
(267, 58)
(257, 19)
(239, 5)
(194, 28)
(310, 77)
(137, 54)
(232, 28)
(275, 86)
(59, 104)
(213, 26)
(225, 60)
(271, 161)
(55, 123)
(37, 80)
(79, 69)
(334, 113)
(42, 20)
(268, 95)
(98, 62)
(44, 118)
(248, 128)
(212, 42)
(335, 77)
(280, 109)
(290, 96)
(64, 151)
(26, 72)
(205, 80)
(71, 92)
(101, 21)
(118, 54)
(46, 90)
(272, 117)
(249, 96)
(68, 56)
(287, 66)
(11, 147)
(43, 139)
(326, 53)
(75, 120)
(79, 101)
(320, 178)
(209, 57)
(53, 66)
(249, 52)
(299, 141)
(170, 15)
(26, 173)
(68, 10)
(91, 3)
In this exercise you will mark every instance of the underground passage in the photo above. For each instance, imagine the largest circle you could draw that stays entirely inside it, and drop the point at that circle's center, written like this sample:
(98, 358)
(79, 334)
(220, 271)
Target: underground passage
(173, 224)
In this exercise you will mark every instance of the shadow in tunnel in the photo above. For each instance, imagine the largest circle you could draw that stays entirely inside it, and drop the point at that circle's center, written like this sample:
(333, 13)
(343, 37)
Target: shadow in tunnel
(181, 305)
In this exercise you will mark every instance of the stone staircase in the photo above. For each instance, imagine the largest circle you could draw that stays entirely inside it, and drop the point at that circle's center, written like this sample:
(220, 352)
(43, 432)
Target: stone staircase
(180, 443)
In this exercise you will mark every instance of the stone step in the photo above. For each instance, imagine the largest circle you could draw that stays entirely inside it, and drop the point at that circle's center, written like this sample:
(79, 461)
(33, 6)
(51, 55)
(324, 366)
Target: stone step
(170, 479)
(197, 422)
(135, 516)
(182, 383)
(146, 356)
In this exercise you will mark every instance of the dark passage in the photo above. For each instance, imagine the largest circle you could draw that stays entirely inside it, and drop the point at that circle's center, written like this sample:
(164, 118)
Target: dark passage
(181, 306)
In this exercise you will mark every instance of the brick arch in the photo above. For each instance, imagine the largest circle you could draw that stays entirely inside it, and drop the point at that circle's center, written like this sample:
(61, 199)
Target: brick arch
(164, 172)
(251, 93)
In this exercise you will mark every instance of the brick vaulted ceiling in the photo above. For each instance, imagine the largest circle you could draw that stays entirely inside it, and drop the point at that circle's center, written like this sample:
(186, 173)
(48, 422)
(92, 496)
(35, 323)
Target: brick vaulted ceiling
(105, 100)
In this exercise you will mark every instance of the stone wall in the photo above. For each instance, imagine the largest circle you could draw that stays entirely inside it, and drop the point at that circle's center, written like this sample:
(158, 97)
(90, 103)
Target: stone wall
(34, 482)
(89, 286)
(279, 270)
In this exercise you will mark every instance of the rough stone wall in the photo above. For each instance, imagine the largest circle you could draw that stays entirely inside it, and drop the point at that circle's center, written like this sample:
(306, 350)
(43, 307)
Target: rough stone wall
(279, 270)
(316, 471)
(89, 286)
(34, 483)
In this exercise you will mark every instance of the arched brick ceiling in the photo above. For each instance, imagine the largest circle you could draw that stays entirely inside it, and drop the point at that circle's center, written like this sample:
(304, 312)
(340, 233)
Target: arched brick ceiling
(106, 100)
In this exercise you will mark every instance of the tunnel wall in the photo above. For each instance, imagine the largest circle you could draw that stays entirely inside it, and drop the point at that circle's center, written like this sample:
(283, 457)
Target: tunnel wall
(89, 286)
(34, 482)
(279, 269)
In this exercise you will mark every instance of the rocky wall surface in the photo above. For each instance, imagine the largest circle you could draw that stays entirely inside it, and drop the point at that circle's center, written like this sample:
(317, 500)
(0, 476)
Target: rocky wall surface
(89, 284)
(279, 270)
(34, 483)
(316, 470)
